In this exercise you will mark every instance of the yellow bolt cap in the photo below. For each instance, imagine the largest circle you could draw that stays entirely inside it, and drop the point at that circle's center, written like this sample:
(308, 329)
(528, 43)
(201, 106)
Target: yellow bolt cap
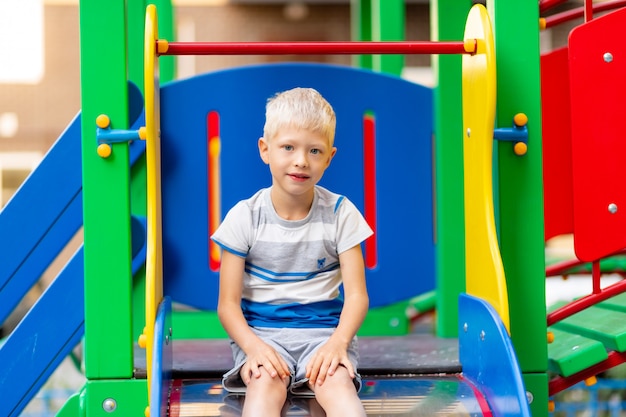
(103, 121)
(142, 341)
(104, 150)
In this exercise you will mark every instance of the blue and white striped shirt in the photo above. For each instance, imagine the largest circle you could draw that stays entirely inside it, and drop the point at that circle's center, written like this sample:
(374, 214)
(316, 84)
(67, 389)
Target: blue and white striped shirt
(292, 274)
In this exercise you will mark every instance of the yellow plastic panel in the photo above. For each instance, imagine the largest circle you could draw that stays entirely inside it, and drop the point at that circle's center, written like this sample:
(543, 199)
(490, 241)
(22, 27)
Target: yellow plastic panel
(484, 271)
(154, 258)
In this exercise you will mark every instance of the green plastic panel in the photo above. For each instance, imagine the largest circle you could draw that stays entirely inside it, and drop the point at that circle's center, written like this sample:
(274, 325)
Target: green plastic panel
(570, 353)
(606, 326)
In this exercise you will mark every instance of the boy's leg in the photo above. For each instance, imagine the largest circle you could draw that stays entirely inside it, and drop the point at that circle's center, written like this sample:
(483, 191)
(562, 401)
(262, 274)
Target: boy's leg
(338, 396)
(265, 396)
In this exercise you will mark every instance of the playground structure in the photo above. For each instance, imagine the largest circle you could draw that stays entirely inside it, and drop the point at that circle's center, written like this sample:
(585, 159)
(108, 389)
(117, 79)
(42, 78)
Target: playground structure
(113, 383)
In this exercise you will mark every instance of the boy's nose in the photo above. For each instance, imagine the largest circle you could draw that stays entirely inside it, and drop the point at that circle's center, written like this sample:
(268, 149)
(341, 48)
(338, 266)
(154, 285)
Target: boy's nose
(301, 160)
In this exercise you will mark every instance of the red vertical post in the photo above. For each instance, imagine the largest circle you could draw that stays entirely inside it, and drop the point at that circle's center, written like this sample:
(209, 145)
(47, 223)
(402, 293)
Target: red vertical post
(369, 168)
(213, 176)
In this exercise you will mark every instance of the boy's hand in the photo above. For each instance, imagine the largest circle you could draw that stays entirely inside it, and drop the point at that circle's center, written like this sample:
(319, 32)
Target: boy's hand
(326, 360)
(263, 355)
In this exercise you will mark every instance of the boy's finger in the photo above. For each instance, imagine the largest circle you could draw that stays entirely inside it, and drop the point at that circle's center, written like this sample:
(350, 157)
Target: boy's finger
(348, 365)
(269, 367)
(333, 366)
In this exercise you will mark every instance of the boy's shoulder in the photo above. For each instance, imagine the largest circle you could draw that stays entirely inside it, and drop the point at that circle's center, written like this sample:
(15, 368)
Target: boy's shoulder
(328, 198)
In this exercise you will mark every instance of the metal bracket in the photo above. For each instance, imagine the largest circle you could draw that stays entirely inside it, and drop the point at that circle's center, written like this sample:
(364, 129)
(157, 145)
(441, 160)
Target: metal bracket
(105, 136)
(518, 134)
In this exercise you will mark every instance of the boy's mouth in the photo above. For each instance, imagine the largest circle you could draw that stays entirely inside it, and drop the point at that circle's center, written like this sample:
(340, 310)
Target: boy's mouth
(298, 177)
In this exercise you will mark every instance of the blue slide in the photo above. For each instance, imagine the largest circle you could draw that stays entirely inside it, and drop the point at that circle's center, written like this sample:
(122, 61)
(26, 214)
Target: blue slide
(35, 226)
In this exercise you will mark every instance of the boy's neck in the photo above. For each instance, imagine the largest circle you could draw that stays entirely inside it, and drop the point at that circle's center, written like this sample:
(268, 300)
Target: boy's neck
(292, 208)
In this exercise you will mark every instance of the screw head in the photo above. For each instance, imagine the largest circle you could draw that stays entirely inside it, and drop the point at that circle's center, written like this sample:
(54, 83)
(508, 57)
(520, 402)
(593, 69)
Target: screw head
(109, 405)
(612, 208)
(608, 57)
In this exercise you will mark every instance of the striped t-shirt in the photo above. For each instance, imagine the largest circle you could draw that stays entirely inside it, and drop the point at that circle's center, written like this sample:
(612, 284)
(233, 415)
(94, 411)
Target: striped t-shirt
(292, 274)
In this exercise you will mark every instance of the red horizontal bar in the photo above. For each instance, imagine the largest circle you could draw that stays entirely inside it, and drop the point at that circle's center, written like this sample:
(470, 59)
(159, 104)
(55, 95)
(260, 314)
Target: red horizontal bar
(545, 5)
(308, 48)
(560, 383)
(579, 12)
(586, 301)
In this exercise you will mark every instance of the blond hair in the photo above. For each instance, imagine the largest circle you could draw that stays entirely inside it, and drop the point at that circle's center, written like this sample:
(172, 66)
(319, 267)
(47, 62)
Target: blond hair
(301, 108)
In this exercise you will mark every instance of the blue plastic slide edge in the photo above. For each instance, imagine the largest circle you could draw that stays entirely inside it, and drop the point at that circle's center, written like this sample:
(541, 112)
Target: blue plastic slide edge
(161, 360)
(488, 358)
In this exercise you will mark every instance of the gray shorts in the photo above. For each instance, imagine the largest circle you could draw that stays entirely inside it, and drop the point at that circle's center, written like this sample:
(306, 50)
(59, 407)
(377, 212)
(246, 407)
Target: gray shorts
(296, 346)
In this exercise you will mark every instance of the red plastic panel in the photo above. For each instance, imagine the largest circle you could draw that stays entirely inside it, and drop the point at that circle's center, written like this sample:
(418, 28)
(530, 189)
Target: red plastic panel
(598, 91)
(557, 144)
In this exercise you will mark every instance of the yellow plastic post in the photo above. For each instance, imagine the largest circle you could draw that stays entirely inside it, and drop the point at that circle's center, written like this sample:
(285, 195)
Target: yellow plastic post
(484, 270)
(154, 258)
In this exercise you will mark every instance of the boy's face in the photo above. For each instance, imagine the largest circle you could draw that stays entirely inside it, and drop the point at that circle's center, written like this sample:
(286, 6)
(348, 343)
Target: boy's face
(297, 159)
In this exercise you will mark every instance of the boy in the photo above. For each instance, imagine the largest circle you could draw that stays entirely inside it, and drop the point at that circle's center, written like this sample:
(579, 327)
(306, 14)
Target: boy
(286, 251)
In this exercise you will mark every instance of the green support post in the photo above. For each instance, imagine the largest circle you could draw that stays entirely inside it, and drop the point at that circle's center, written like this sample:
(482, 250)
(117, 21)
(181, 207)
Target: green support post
(388, 25)
(516, 26)
(448, 24)
(136, 11)
(377, 20)
(361, 26)
(108, 344)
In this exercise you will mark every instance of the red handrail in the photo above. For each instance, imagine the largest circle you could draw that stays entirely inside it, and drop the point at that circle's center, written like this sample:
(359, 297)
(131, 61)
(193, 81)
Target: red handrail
(307, 48)
(579, 12)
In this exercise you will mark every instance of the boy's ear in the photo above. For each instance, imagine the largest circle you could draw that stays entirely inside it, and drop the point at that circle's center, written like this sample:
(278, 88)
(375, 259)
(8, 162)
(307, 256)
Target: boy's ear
(263, 147)
(333, 152)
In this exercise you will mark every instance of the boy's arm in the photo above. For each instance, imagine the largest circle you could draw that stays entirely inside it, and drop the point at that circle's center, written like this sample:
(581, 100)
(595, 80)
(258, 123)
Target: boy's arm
(356, 303)
(229, 312)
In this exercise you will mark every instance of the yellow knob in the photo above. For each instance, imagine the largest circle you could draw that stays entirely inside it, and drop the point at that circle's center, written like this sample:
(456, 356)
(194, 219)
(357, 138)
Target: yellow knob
(520, 119)
(143, 133)
(104, 150)
(592, 380)
(142, 341)
(520, 148)
(103, 121)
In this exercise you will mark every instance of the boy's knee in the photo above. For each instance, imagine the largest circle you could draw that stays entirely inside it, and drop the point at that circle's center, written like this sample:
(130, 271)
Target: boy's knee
(267, 386)
(339, 383)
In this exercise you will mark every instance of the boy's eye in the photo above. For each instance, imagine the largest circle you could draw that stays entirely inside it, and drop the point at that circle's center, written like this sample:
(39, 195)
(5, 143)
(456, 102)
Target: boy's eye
(315, 151)
(288, 147)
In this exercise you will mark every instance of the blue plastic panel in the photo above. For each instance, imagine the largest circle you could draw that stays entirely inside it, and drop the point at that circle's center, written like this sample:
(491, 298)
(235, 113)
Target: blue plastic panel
(403, 114)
